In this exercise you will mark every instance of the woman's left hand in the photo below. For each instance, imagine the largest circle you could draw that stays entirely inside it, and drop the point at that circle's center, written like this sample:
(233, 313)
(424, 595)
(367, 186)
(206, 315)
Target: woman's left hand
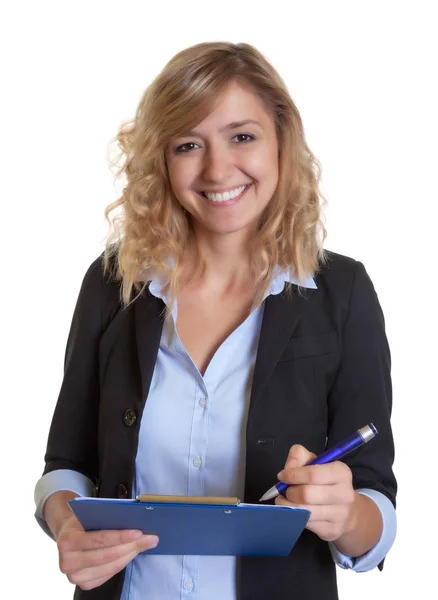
(325, 490)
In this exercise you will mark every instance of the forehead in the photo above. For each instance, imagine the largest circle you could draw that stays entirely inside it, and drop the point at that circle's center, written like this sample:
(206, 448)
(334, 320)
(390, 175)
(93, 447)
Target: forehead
(235, 103)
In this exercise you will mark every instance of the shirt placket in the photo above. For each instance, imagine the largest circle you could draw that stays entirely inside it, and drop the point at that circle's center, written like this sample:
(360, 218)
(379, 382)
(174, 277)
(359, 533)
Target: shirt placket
(195, 459)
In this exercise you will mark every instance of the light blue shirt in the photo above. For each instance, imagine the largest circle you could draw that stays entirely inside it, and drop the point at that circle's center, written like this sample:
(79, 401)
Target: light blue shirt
(192, 442)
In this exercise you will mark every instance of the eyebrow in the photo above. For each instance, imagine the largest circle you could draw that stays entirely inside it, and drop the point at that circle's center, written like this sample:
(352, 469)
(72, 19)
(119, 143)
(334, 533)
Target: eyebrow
(233, 125)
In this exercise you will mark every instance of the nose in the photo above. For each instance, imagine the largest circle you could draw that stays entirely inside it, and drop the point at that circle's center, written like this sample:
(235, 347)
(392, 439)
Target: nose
(217, 165)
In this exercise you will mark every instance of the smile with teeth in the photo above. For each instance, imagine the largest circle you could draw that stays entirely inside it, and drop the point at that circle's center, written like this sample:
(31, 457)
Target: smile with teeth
(228, 195)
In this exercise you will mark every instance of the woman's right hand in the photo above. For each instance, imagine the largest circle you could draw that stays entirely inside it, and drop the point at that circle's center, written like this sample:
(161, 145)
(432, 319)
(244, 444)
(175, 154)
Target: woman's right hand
(91, 558)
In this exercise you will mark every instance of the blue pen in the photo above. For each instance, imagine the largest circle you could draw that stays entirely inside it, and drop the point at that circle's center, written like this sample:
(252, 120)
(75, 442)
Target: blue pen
(361, 436)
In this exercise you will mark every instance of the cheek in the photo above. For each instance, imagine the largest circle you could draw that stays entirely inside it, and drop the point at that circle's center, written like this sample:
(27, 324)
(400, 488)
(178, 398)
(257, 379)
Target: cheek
(263, 166)
(180, 178)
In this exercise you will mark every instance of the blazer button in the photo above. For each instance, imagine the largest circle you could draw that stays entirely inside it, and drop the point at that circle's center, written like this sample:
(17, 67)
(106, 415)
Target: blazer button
(129, 418)
(122, 491)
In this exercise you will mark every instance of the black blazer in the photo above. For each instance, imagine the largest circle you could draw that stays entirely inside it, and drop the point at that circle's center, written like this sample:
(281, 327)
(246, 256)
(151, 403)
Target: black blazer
(322, 371)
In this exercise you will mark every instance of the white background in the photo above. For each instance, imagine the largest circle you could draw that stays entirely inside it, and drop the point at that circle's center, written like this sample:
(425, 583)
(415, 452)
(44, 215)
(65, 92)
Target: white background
(363, 75)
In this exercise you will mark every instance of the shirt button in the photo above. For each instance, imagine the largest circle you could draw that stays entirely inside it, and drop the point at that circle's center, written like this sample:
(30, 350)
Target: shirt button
(197, 462)
(189, 585)
(203, 402)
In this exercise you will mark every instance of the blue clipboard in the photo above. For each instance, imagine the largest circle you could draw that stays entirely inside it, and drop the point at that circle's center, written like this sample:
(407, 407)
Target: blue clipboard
(202, 529)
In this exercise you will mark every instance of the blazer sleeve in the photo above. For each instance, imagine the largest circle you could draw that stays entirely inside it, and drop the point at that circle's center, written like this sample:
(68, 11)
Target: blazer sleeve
(362, 391)
(72, 442)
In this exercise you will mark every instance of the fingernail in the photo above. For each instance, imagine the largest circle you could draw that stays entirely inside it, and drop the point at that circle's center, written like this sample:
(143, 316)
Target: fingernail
(280, 475)
(152, 541)
(135, 535)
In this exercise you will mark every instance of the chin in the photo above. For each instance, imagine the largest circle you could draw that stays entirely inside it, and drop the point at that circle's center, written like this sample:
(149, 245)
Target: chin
(230, 228)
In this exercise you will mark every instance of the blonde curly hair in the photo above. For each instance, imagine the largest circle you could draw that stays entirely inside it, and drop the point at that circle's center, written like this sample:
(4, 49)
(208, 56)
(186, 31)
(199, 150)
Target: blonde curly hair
(150, 226)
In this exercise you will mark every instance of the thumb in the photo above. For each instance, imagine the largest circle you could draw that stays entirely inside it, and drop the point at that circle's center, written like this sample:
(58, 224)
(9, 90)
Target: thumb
(71, 526)
(298, 457)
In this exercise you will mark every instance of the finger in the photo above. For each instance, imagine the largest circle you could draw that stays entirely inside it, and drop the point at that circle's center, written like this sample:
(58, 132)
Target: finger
(325, 513)
(79, 540)
(332, 514)
(331, 473)
(90, 585)
(320, 494)
(85, 577)
(326, 530)
(69, 562)
(298, 456)
(90, 575)
(282, 501)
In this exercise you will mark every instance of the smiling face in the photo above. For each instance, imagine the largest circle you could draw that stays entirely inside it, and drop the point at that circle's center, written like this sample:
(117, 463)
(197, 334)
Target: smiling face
(225, 171)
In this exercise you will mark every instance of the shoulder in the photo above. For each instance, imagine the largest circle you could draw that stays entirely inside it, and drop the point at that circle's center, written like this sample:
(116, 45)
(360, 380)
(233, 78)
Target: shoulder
(345, 281)
(338, 272)
(99, 280)
(336, 265)
(100, 293)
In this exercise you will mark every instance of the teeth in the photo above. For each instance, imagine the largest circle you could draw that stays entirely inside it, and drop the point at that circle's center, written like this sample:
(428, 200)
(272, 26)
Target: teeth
(226, 195)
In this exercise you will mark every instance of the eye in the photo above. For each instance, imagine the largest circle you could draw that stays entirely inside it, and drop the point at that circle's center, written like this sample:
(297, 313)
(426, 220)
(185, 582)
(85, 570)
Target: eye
(246, 138)
(185, 147)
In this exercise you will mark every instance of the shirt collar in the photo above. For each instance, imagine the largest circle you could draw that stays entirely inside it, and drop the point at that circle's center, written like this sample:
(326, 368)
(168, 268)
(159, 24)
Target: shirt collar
(279, 280)
(283, 276)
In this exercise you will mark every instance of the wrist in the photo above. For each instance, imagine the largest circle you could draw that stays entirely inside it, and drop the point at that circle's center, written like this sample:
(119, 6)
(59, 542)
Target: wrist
(57, 512)
(353, 517)
(363, 528)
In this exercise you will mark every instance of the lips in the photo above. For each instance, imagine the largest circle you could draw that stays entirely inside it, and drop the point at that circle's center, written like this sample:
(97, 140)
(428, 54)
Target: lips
(228, 189)
(228, 201)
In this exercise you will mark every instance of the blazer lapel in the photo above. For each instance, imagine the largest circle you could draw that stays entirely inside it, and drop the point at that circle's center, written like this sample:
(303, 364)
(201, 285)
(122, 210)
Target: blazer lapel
(148, 318)
(281, 315)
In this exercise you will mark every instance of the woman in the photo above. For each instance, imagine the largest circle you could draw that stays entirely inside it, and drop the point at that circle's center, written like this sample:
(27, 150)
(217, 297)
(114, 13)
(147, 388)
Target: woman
(253, 347)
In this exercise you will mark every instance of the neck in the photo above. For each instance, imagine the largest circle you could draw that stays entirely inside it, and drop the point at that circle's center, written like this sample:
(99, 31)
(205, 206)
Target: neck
(225, 257)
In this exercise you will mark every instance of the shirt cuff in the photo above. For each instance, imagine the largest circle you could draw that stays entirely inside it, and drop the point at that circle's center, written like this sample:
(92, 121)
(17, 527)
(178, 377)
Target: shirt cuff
(56, 481)
(373, 557)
